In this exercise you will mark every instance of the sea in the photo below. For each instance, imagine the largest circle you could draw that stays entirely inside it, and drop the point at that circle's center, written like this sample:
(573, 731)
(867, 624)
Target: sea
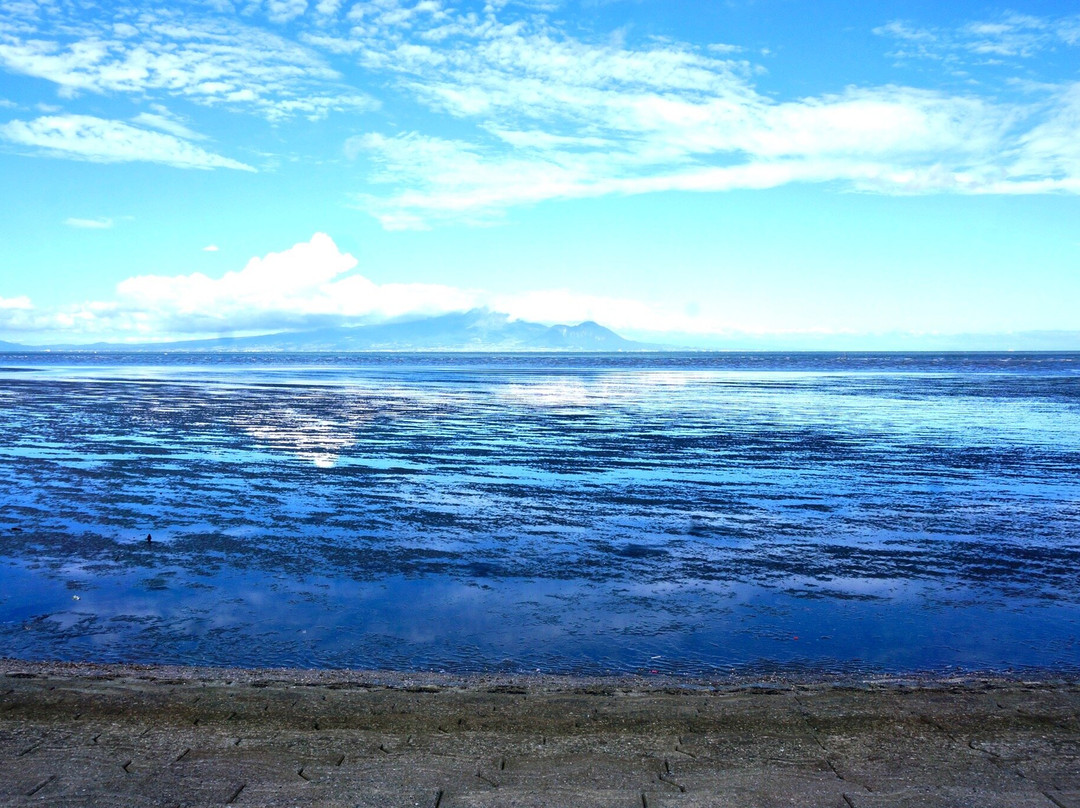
(677, 514)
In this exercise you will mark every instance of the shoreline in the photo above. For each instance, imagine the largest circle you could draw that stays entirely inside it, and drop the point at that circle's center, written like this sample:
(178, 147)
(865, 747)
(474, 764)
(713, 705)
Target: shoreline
(75, 733)
(790, 679)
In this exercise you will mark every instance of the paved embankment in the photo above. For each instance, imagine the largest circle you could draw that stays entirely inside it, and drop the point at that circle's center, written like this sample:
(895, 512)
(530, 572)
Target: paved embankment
(133, 736)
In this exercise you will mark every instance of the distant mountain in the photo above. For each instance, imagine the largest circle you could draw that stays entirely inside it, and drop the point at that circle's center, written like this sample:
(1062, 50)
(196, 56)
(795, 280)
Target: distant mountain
(485, 330)
(476, 330)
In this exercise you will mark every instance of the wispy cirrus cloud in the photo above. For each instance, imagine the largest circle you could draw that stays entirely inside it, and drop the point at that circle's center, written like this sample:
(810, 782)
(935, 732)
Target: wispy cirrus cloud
(162, 118)
(1049, 152)
(180, 51)
(444, 179)
(560, 117)
(102, 223)
(84, 137)
(1009, 36)
(505, 107)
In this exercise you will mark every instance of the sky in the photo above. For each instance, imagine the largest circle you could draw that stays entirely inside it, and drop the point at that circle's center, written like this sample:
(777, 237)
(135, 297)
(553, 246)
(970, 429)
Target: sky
(698, 171)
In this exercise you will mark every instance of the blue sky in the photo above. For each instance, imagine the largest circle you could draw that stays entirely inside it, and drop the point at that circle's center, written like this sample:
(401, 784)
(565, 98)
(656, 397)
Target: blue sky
(769, 167)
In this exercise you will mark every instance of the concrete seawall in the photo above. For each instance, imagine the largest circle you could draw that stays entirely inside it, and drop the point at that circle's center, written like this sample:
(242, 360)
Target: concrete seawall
(100, 735)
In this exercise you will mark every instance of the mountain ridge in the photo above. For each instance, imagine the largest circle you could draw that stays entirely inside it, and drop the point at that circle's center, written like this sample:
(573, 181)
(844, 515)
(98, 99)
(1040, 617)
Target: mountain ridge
(482, 330)
(474, 330)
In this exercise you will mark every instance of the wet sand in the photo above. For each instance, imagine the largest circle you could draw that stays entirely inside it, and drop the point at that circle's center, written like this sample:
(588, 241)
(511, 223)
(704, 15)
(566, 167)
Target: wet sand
(120, 735)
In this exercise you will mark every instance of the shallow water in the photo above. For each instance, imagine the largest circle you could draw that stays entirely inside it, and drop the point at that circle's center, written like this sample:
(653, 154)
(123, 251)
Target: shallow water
(679, 513)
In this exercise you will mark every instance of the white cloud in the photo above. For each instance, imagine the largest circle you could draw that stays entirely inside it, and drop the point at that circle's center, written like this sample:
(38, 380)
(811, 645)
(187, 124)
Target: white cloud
(161, 118)
(210, 248)
(214, 60)
(98, 140)
(282, 11)
(451, 179)
(17, 314)
(558, 117)
(328, 8)
(309, 284)
(1010, 36)
(649, 143)
(103, 223)
(312, 284)
(92, 320)
(1053, 147)
(538, 113)
(315, 284)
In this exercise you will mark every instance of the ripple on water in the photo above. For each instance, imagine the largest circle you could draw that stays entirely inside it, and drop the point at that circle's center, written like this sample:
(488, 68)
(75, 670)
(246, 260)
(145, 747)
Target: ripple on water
(688, 515)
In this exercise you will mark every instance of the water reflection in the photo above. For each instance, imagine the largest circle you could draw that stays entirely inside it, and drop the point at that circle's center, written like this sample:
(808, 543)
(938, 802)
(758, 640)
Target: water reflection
(316, 440)
(430, 513)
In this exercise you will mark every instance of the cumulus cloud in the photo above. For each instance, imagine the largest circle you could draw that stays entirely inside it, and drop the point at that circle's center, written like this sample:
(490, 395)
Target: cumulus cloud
(210, 248)
(17, 314)
(85, 137)
(312, 284)
(282, 11)
(328, 8)
(103, 223)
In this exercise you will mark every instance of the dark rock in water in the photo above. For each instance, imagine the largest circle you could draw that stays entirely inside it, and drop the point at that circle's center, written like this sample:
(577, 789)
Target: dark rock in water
(149, 538)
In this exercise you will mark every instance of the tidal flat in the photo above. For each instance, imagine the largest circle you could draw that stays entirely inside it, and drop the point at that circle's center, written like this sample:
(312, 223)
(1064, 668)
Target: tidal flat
(658, 514)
